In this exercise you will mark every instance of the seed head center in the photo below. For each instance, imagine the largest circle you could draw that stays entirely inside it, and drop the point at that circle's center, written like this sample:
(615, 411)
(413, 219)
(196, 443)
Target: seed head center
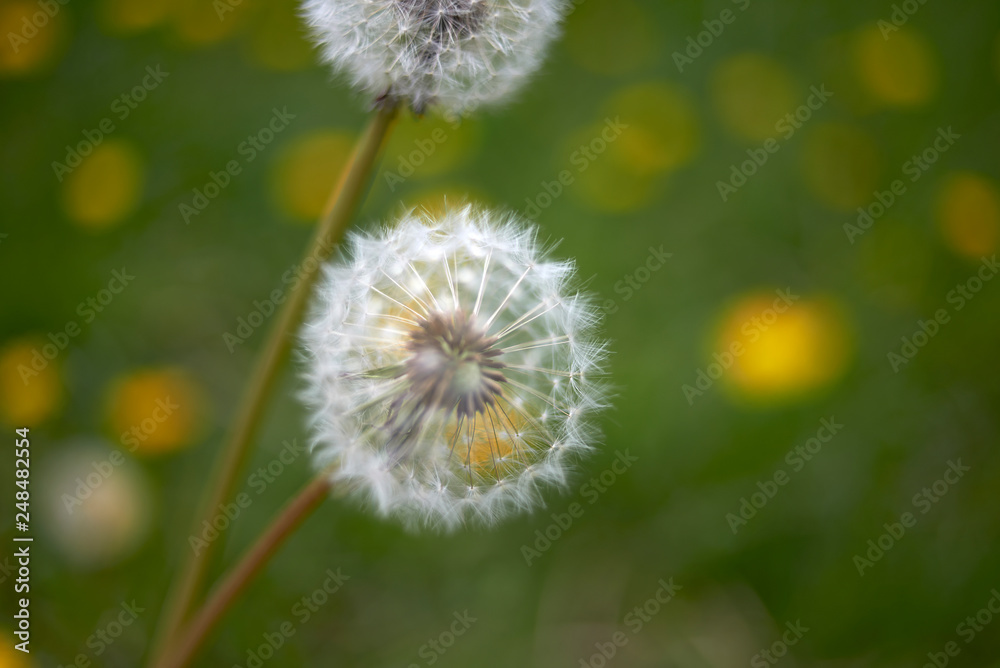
(453, 364)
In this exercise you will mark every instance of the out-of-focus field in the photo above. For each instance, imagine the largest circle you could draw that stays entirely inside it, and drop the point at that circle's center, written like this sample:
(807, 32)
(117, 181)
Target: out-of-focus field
(807, 383)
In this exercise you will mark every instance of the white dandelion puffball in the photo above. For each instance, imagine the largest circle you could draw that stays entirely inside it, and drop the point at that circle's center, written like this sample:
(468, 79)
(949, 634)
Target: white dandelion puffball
(454, 53)
(450, 371)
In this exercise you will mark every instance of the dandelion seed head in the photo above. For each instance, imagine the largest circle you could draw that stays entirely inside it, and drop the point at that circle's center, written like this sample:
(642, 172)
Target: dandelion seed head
(442, 377)
(457, 54)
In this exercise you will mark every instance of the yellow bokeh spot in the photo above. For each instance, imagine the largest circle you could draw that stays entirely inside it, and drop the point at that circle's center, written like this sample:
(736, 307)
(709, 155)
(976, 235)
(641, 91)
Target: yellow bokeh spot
(10, 657)
(106, 187)
(30, 389)
(968, 211)
(29, 36)
(900, 71)
(201, 23)
(610, 37)
(597, 172)
(155, 411)
(751, 93)
(307, 170)
(663, 131)
(277, 38)
(789, 346)
(425, 147)
(134, 15)
(841, 165)
(839, 74)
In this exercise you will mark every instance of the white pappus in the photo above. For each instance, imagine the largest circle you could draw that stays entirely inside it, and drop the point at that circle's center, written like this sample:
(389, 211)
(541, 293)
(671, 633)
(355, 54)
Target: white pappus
(457, 54)
(450, 370)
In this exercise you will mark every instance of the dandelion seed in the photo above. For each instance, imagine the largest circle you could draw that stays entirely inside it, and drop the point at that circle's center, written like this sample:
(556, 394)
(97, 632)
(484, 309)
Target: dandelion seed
(458, 54)
(450, 370)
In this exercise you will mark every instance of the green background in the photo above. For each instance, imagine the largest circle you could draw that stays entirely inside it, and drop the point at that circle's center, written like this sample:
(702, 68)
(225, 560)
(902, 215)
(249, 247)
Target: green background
(656, 186)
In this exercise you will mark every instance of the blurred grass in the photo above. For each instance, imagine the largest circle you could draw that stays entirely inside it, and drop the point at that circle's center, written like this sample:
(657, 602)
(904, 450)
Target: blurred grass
(654, 186)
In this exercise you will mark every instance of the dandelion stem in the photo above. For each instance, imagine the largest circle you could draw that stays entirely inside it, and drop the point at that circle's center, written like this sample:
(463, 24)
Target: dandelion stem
(232, 585)
(336, 217)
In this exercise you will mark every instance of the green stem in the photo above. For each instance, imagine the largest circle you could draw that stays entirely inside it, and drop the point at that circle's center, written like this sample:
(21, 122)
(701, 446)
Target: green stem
(336, 217)
(223, 596)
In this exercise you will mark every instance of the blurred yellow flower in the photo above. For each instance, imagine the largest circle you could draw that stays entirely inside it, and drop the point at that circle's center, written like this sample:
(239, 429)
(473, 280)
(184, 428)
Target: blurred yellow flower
(751, 93)
(663, 131)
(155, 410)
(425, 147)
(787, 352)
(32, 36)
(900, 69)
(307, 170)
(968, 213)
(201, 23)
(10, 657)
(30, 389)
(106, 187)
(134, 15)
(595, 168)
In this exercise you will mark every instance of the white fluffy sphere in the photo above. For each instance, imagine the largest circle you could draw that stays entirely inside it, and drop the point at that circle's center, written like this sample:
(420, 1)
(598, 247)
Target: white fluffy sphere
(450, 370)
(457, 54)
